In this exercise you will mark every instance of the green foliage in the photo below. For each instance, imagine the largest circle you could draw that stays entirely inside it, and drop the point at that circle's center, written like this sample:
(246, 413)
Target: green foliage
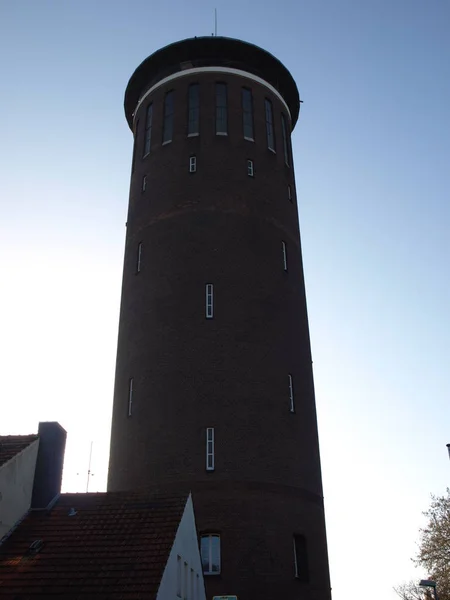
(434, 552)
(434, 545)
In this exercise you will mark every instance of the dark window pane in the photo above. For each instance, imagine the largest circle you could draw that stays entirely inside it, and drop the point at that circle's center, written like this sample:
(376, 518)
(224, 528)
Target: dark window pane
(194, 109)
(269, 125)
(247, 113)
(215, 554)
(136, 134)
(301, 558)
(168, 117)
(204, 551)
(221, 108)
(285, 139)
(148, 129)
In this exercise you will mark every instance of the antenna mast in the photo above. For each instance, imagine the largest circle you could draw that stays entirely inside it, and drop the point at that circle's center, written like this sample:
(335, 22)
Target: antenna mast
(215, 22)
(89, 469)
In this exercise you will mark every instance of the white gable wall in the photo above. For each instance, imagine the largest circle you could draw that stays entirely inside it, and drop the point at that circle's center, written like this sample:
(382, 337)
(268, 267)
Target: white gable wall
(186, 547)
(16, 487)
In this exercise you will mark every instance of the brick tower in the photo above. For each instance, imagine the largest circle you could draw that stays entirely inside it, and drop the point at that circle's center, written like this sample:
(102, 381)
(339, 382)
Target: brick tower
(214, 388)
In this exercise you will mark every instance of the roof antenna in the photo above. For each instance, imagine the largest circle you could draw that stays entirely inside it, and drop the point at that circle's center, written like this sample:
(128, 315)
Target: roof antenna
(89, 474)
(215, 22)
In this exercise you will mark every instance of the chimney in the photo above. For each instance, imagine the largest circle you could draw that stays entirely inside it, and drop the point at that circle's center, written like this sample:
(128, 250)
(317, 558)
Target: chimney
(49, 464)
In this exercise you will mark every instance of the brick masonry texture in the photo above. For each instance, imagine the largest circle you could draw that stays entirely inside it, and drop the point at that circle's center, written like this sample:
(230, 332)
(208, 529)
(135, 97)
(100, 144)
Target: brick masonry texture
(221, 226)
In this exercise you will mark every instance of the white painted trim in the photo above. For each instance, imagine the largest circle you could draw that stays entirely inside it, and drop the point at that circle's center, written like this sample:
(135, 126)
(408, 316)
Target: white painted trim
(227, 70)
(248, 139)
(193, 134)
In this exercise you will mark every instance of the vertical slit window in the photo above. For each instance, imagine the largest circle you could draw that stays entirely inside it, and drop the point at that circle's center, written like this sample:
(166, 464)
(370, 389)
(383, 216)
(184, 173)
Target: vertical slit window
(209, 301)
(210, 554)
(185, 581)
(136, 131)
(192, 164)
(168, 117)
(291, 394)
(247, 113)
(284, 133)
(192, 596)
(148, 129)
(210, 449)
(221, 109)
(250, 169)
(285, 264)
(269, 125)
(178, 576)
(138, 259)
(289, 193)
(193, 109)
(130, 397)
(144, 183)
(301, 558)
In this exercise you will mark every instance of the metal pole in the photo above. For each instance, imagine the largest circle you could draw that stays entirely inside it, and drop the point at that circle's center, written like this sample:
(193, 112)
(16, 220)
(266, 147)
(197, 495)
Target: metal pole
(89, 470)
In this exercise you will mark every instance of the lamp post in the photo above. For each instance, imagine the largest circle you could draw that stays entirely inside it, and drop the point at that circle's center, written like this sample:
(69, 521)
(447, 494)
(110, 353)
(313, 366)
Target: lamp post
(428, 583)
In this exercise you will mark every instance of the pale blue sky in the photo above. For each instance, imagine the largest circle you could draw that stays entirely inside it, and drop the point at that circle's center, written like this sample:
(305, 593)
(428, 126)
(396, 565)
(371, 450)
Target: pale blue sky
(372, 157)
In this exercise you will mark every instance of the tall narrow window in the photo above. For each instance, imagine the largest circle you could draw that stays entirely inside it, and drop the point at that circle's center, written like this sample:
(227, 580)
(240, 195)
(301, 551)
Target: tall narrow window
(221, 109)
(192, 596)
(291, 394)
(144, 183)
(136, 131)
(210, 554)
(284, 133)
(130, 397)
(148, 129)
(269, 125)
(209, 301)
(289, 193)
(301, 558)
(250, 170)
(247, 113)
(285, 264)
(186, 582)
(192, 164)
(210, 449)
(178, 576)
(138, 259)
(168, 117)
(193, 109)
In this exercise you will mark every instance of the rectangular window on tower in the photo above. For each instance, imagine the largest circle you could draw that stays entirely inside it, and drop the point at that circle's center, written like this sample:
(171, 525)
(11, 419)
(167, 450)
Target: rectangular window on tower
(210, 553)
(284, 133)
(148, 130)
(247, 114)
(192, 164)
(210, 449)
(291, 394)
(289, 193)
(136, 132)
(194, 109)
(285, 264)
(130, 397)
(301, 558)
(168, 117)
(269, 125)
(178, 576)
(221, 109)
(209, 301)
(139, 257)
(250, 169)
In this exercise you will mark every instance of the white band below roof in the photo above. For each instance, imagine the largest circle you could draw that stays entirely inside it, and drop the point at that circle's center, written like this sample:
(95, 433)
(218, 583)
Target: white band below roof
(196, 70)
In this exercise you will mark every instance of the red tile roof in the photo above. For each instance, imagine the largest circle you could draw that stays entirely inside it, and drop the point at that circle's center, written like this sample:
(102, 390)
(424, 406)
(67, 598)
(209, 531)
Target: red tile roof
(10, 445)
(115, 546)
